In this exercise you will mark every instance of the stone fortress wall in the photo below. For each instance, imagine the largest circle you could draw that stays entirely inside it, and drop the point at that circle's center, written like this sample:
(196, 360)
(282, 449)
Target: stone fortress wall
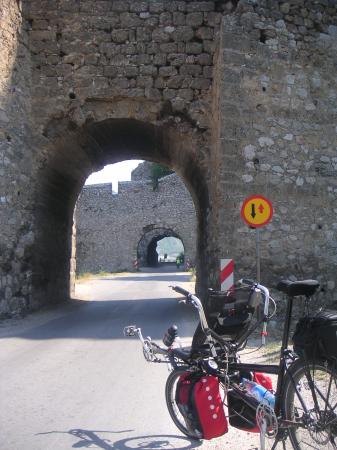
(110, 226)
(238, 97)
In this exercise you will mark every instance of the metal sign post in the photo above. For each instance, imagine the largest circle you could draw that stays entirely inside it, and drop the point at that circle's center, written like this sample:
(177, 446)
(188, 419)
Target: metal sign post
(258, 255)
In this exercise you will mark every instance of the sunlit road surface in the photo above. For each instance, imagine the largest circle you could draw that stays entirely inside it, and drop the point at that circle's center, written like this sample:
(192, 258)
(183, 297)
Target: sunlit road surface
(69, 379)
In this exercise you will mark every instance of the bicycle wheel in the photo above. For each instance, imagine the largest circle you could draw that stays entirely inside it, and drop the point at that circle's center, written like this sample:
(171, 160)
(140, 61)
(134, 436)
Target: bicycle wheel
(170, 396)
(313, 408)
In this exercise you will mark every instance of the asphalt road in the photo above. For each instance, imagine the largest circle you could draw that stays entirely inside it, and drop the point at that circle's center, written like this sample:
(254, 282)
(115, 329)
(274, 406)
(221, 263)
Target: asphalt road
(69, 378)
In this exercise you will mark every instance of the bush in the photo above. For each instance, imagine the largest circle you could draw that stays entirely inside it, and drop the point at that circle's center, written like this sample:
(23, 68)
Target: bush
(158, 171)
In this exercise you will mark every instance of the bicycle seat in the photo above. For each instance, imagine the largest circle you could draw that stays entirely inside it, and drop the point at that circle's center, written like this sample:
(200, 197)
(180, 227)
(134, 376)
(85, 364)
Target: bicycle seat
(296, 288)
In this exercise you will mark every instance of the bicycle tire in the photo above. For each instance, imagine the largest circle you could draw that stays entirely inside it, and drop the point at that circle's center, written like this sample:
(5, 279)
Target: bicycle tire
(170, 394)
(318, 428)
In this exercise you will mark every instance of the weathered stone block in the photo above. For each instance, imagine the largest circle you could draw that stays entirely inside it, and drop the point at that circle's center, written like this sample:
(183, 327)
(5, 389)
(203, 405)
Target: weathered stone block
(153, 94)
(176, 59)
(144, 81)
(183, 33)
(137, 92)
(213, 19)
(120, 83)
(167, 71)
(190, 69)
(200, 83)
(209, 46)
(179, 18)
(160, 83)
(42, 35)
(128, 49)
(109, 49)
(119, 5)
(205, 33)
(143, 34)
(139, 6)
(175, 82)
(142, 59)
(120, 36)
(178, 104)
(194, 19)
(204, 59)
(153, 48)
(156, 6)
(160, 35)
(148, 70)
(63, 69)
(110, 71)
(169, 47)
(130, 20)
(200, 6)
(194, 48)
(168, 94)
(165, 18)
(160, 59)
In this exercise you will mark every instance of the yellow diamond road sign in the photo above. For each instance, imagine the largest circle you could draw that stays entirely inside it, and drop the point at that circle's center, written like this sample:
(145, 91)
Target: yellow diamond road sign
(257, 211)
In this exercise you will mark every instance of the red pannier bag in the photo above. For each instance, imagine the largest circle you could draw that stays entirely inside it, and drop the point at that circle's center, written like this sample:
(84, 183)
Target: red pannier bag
(184, 392)
(264, 380)
(209, 406)
(199, 401)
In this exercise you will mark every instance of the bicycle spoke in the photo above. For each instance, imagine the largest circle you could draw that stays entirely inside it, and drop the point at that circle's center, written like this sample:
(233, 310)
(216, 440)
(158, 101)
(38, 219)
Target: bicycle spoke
(312, 403)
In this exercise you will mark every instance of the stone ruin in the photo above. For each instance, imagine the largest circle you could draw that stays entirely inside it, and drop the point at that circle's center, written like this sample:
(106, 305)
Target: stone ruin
(237, 97)
(115, 229)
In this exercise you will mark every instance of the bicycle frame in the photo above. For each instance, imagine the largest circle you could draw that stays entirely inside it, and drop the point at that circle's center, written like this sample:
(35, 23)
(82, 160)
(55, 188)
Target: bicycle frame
(286, 358)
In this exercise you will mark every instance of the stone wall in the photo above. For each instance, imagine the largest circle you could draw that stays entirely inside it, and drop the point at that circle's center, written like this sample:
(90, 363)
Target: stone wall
(142, 172)
(16, 162)
(278, 78)
(159, 51)
(237, 97)
(111, 226)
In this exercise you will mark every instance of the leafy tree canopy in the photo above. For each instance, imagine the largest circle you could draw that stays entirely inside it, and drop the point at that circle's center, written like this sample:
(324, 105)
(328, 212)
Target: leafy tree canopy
(158, 171)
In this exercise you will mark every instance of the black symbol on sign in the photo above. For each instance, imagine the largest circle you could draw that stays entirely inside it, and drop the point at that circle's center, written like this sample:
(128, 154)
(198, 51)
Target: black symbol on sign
(253, 214)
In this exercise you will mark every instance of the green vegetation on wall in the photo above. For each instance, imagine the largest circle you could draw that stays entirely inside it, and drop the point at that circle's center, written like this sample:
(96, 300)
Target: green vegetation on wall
(158, 171)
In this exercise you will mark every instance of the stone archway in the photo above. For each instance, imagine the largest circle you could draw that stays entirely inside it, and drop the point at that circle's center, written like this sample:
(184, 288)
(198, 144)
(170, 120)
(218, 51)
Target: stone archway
(147, 245)
(83, 151)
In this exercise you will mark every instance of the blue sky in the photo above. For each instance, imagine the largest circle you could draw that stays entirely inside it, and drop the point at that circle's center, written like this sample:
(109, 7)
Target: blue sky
(114, 173)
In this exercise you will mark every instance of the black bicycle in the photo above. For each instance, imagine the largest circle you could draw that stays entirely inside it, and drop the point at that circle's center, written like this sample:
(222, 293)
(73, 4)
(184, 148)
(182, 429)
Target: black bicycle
(303, 407)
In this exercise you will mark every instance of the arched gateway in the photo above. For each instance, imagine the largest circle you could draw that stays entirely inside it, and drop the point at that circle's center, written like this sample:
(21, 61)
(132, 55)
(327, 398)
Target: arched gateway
(146, 250)
(94, 145)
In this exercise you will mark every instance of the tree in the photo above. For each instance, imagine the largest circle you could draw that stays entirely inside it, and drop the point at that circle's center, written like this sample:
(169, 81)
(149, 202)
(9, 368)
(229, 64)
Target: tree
(158, 171)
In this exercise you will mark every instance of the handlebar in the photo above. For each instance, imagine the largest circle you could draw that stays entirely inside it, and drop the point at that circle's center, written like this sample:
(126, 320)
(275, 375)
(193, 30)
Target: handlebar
(181, 291)
(247, 282)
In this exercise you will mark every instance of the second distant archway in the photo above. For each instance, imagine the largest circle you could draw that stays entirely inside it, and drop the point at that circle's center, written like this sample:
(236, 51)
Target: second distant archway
(146, 251)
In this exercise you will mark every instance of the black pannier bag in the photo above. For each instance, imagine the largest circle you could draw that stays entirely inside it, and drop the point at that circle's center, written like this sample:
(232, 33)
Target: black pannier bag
(241, 414)
(231, 312)
(316, 337)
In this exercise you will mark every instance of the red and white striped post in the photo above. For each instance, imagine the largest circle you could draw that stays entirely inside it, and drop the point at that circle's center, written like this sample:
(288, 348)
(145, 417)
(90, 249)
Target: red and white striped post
(227, 274)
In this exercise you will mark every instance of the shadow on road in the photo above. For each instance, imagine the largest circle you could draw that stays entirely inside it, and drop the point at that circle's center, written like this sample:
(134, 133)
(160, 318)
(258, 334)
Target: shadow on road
(92, 438)
(106, 319)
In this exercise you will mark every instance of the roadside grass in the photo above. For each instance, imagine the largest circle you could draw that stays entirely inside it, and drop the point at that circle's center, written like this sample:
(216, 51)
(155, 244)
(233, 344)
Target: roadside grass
(271, 351)
(85, 276)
